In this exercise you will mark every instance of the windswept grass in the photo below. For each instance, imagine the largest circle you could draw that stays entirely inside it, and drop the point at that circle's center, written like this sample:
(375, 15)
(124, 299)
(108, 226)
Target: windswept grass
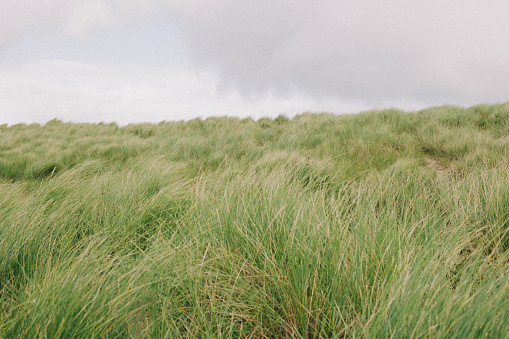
(382, 224)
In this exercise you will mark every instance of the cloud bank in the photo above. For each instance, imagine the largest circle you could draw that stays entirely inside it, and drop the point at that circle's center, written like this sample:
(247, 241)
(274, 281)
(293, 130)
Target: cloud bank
(112, 59)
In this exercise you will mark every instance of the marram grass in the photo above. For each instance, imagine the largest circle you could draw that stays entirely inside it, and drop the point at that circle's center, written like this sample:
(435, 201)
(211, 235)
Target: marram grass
(378, 225)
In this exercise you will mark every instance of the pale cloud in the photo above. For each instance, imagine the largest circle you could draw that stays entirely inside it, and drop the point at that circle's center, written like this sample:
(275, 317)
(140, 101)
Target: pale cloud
(84, 16)
(75, 18)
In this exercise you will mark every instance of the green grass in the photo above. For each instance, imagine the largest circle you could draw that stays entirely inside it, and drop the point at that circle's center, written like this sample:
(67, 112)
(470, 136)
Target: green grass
(384, 224)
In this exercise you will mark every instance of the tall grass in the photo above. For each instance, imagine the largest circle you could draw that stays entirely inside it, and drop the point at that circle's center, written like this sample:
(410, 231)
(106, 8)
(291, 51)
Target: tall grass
(382, 224)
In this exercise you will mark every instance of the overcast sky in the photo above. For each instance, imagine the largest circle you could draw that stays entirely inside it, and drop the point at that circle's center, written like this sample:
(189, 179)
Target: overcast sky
(153, 60)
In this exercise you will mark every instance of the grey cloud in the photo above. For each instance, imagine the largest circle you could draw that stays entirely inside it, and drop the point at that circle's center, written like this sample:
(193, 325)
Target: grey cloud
(376, 51)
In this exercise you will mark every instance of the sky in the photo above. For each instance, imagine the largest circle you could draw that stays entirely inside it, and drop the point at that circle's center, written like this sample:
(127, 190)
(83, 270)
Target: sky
(131, 61)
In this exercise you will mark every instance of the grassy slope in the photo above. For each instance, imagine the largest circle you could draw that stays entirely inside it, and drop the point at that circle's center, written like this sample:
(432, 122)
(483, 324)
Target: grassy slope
(374, 225)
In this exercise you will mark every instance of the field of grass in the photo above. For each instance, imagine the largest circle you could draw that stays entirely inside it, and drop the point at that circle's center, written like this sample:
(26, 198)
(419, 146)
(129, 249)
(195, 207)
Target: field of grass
(378, 225)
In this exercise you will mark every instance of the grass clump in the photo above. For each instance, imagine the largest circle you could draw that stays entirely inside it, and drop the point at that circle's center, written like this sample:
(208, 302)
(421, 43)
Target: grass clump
(382, 224)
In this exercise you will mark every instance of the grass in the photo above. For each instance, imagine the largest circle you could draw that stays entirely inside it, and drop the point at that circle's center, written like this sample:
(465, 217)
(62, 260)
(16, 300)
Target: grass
(381, 224)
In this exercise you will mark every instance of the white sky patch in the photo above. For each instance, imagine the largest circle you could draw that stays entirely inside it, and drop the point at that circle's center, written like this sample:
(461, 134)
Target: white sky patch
(73, 91)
